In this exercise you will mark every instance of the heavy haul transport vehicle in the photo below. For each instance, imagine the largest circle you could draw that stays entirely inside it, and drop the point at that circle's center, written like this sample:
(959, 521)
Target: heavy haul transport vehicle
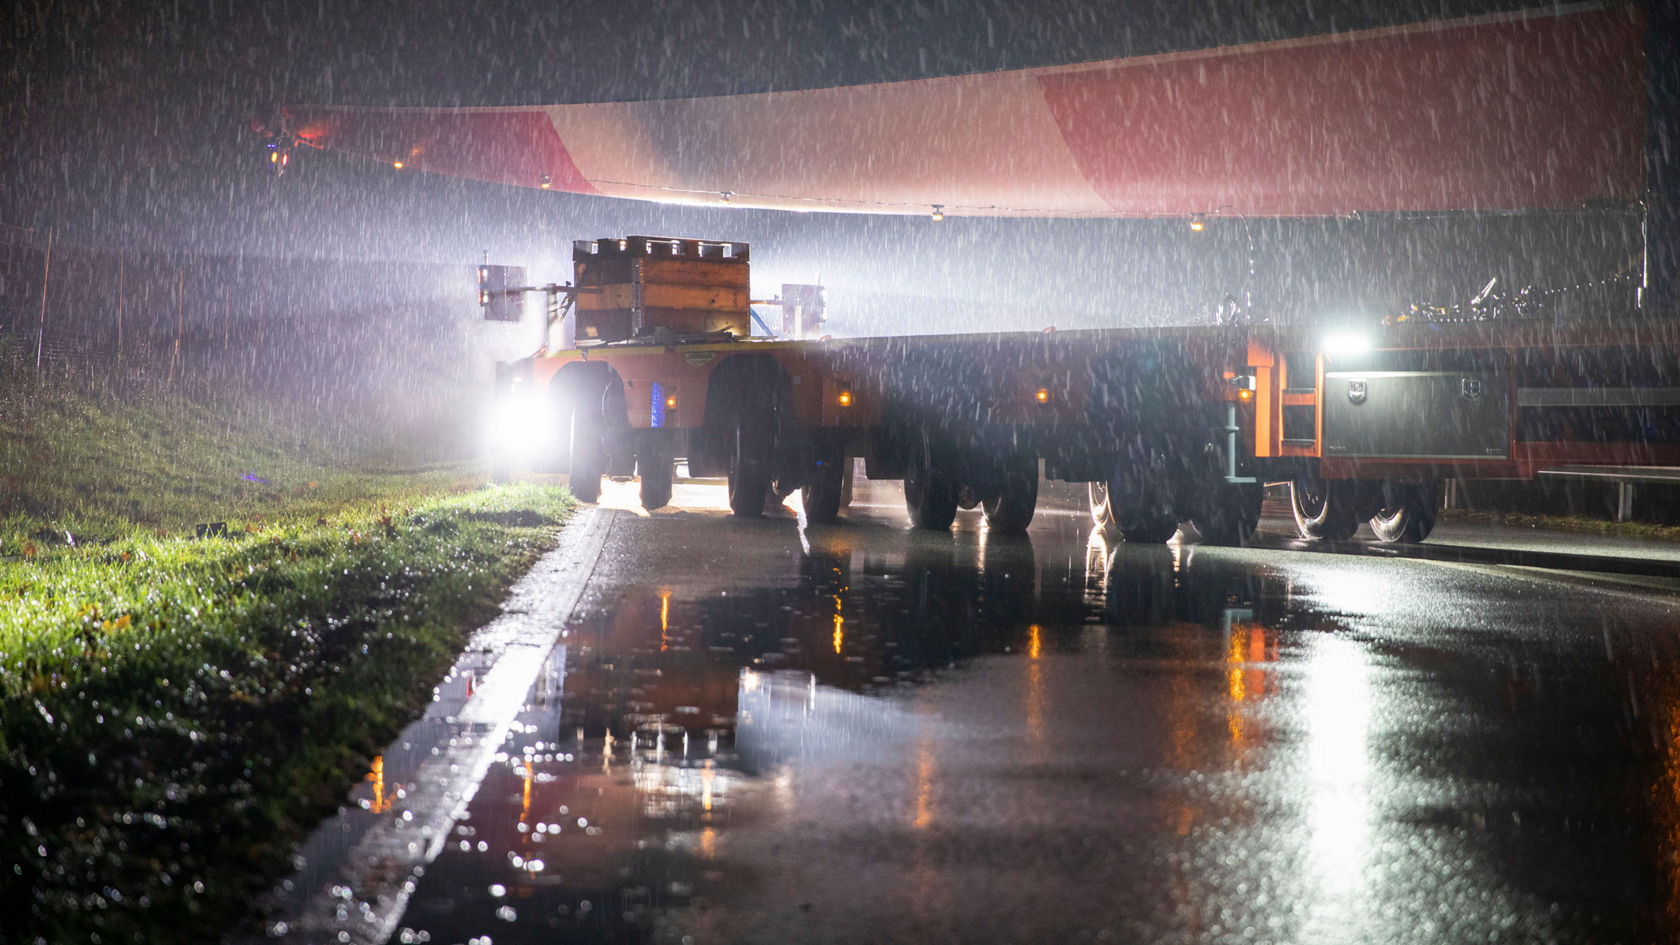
(1165, 425)
(1556, 110)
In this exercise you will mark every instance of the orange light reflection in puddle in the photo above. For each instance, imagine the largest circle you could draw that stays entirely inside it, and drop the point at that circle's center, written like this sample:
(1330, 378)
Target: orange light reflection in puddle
(380, 804)
(664, 620)
(924, 783)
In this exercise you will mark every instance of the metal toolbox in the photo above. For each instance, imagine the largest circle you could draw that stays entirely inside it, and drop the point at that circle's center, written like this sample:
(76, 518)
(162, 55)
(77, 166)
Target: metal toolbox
(1416, 415)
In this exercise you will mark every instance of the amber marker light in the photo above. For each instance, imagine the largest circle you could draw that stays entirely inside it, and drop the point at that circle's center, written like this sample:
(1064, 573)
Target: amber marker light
(845, 398)
(671, 402)
(1042, 395)
(397, 165)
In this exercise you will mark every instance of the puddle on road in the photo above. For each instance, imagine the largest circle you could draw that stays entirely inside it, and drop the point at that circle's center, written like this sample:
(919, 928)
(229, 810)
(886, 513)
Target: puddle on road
(962, 739)
(664, 721)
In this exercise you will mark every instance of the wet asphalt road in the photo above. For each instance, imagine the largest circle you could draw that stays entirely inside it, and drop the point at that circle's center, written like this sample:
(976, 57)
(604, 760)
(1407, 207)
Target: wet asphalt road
(755, 732)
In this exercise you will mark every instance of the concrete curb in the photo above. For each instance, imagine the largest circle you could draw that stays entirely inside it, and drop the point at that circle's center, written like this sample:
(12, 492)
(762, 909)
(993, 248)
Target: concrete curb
(358, 892)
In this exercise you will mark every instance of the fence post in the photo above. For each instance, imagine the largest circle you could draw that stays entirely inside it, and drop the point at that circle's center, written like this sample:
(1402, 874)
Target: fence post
(121, 258)
(41, 325)
(175, 353)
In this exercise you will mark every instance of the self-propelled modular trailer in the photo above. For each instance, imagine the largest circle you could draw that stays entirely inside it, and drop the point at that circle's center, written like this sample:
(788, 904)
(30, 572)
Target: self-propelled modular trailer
(1165, 425)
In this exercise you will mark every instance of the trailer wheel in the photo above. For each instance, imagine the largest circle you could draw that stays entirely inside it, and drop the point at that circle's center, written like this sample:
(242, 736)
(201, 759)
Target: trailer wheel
(655, 466)
(749, 466)
(1011, 510)
(1324, 510)
(589, 456)
(824, 484)
(1231, 514)
(930, 491)
(1408, 512)
(1136, 516)
(1146, 526)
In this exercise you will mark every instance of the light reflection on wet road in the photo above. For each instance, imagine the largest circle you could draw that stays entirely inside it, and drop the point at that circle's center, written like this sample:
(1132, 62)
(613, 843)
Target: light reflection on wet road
(755, 733)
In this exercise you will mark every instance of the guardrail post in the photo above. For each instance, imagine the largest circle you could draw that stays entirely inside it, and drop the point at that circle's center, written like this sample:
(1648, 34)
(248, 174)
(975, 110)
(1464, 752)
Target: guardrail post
(1624, 501)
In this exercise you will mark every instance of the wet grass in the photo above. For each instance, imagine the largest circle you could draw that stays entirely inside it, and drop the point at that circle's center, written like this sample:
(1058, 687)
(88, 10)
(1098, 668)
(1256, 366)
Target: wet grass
(81, 465)
(176, 711)
(1566, 523)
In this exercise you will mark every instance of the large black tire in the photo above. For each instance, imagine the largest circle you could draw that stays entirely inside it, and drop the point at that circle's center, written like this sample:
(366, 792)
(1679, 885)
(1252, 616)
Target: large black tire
(1230, 514)
(1148, 526)
(588, 453)
(1011, 510)
(930, 491)
(1408, 512)
(1324, 510)
(1135, 515)
(749, 466)
(825, 477)
(655, 466)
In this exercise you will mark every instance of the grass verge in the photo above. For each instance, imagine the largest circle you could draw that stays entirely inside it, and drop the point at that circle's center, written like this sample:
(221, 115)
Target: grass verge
(176, 712)
(1566, 523)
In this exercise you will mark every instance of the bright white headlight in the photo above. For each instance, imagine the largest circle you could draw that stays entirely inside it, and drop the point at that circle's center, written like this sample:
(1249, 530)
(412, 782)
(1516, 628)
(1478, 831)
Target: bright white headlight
(1345, 343)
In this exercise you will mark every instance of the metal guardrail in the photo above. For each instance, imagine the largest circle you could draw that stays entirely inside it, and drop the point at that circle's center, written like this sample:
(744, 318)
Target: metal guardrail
(1598, 397)
(1625, 478)
(1661, 474)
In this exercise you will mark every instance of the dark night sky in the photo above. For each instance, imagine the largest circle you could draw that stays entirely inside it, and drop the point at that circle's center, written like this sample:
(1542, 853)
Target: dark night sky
(127, 125)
